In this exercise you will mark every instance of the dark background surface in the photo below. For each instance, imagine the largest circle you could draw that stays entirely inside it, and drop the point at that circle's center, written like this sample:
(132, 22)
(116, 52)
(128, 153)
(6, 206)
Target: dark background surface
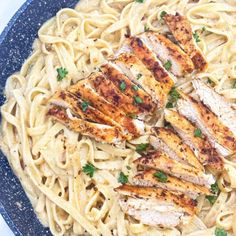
(15, 46)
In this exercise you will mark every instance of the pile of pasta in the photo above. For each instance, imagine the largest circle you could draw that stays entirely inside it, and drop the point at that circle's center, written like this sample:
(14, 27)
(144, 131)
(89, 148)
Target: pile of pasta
(49, 159)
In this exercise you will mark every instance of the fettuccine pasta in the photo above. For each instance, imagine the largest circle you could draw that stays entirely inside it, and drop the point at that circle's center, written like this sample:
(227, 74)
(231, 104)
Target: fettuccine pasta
(48, 158)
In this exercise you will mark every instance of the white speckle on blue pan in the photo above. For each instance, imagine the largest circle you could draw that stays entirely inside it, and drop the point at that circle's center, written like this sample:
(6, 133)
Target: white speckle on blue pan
(15, 46)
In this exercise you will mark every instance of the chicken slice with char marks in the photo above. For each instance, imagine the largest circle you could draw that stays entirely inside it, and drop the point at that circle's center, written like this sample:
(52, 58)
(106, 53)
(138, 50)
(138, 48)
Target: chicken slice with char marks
(219, 135)
(81, 108)
(160, 161)
(156, 207)
(140, 75)
(182, 32)
(147, 178)
(139, 99)
(206, 154)
(101, 133)
(150, 60)
(167, 141)
(168, 52)
(83, 89)
(217, 104)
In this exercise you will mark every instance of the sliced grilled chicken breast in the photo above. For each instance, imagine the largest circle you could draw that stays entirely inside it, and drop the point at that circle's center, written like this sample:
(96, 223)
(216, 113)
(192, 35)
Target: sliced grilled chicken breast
(206, 154)
(139, 98)
(156, 207)
(141, 76)
(101, 133)
(150, 60)
(84, 91)
(167, 141)
(160, 161)
(111, 93)
(81, 108)
(219, 135)
(182, 32)
(218, 104)
(179, 62)
(147, 178)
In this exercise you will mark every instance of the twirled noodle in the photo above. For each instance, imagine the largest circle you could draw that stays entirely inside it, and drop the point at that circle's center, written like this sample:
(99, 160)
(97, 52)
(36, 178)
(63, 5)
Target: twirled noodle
(48, 158)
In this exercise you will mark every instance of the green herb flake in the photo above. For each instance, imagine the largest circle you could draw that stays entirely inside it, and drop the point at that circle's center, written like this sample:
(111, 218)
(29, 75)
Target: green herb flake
(197, 133)
(135, 87)
(128, 167)
(220, 232)
(139, 76)
(142, 147)
(163, 13)
(146, 28)
(169, 105)
(161, 176)
(215, 188)
(132, 116)
(84, 105)
(211, 199)
(211, 82)
(168, 65)
(140, 1)
(174, 94)
(122, 86)
(138, 100)
(196, 37)
(61, 73)
(89, 169)
(123, 179)
(203, 29)
(234, 85)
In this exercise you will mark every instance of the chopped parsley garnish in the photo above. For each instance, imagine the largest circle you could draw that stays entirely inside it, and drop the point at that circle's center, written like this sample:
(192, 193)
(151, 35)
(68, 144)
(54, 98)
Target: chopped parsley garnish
(135, 87)
(142, 147)
(123, 179)
(146, 28)
(211, 199)
(163, 13)
(220, 232)
(234, 85)
(211, 82)
(140, 1)
(203, 29)
(197, 133)
(122, 86)
(174, 96)
(139, 76)
(138, 100)
(128, 167)
(215, 188)
(84, 105)
(161, 176)
(169, 105)
(61, 73)
(196, 37)
(133, 116)
(168, 65)
(89, 169)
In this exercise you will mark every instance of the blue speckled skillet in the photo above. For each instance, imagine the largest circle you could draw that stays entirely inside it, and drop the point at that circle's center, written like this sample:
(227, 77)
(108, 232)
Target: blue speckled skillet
(15, 46)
